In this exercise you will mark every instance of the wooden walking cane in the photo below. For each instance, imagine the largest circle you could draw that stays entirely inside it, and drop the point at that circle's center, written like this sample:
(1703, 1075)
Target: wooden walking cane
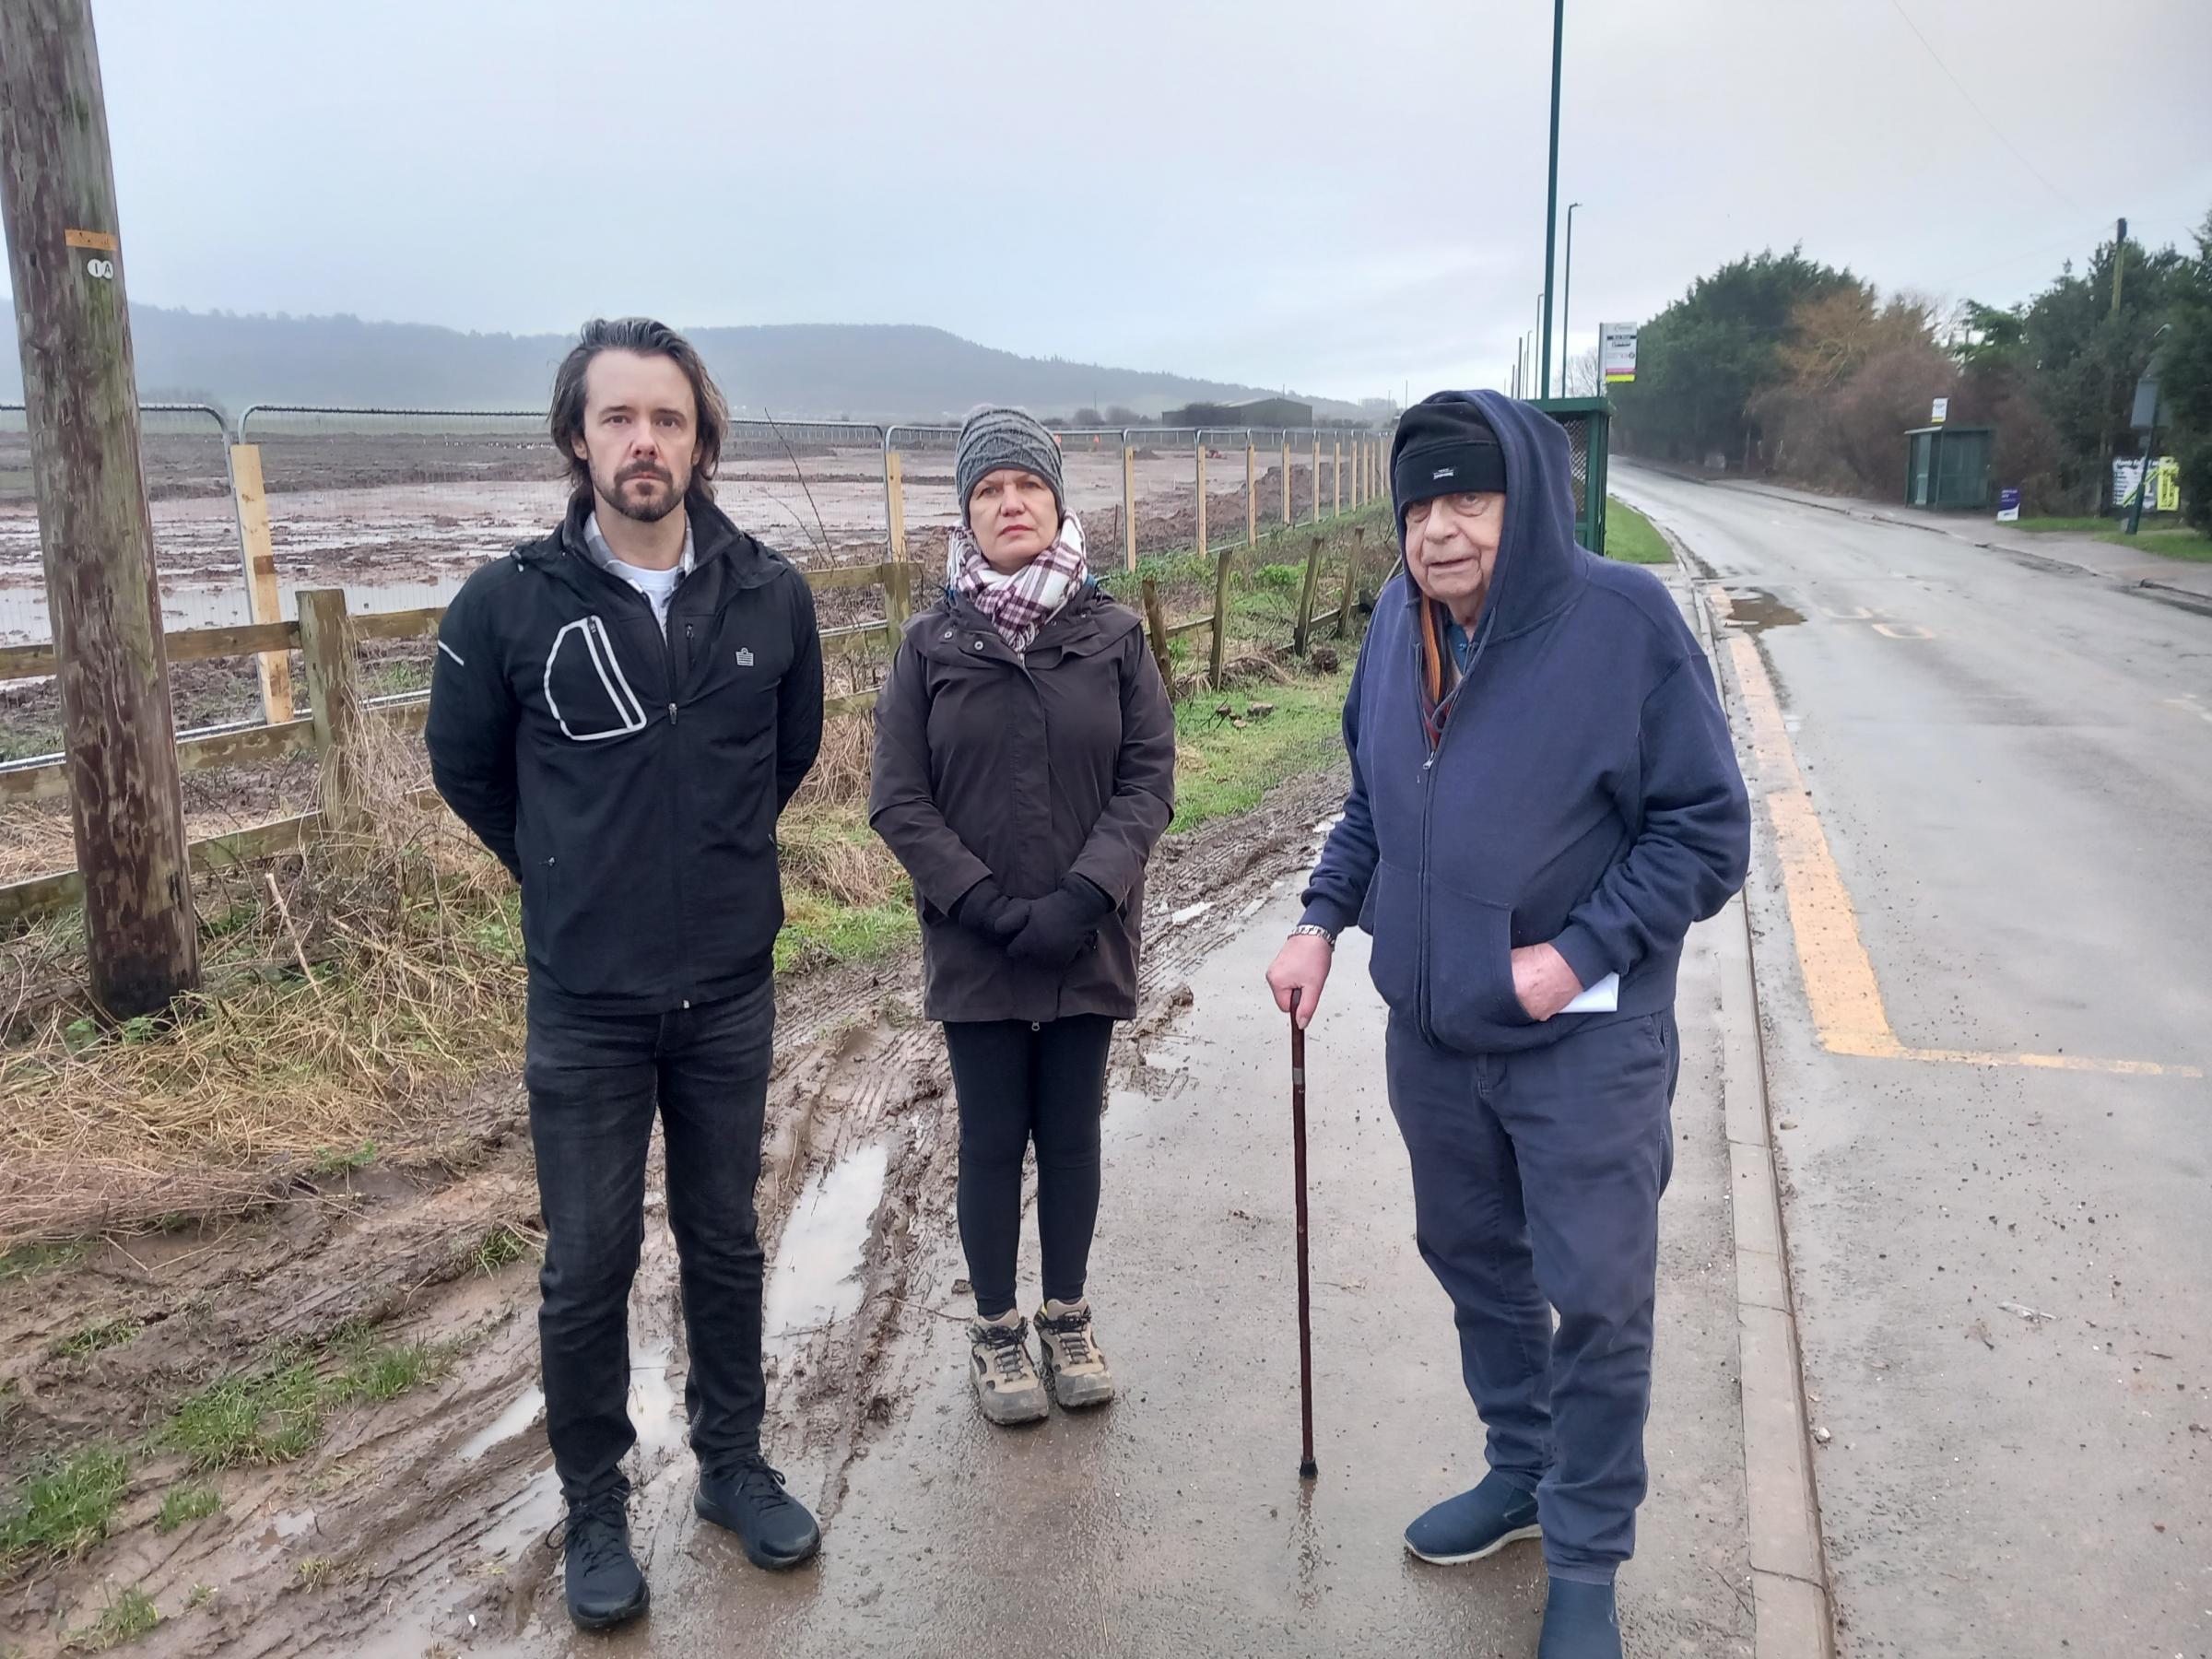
(1307, 1469)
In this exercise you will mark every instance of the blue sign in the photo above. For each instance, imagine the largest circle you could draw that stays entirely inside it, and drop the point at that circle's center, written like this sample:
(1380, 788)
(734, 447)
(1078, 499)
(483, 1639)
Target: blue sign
(2008, 505)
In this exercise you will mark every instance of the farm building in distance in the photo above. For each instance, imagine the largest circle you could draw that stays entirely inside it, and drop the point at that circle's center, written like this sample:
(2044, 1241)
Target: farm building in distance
(1264, 411)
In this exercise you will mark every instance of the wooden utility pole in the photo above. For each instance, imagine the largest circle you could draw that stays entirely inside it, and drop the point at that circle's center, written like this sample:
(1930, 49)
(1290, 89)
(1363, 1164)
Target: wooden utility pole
(57, 195)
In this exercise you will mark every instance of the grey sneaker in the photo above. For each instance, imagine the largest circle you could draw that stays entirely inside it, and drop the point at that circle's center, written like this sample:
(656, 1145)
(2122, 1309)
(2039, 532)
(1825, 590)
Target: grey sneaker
(1006, 1384)
(1074, 1368)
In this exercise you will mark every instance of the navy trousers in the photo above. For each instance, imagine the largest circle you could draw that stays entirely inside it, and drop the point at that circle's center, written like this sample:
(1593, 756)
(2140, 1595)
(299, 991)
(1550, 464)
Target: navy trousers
(1535, 1187)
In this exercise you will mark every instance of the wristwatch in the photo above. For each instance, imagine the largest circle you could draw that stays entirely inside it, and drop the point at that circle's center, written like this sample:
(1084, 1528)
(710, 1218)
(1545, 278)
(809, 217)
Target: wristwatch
(1313, 929)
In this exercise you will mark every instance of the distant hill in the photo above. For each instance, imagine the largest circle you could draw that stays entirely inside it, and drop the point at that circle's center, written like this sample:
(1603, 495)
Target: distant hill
(820, 371)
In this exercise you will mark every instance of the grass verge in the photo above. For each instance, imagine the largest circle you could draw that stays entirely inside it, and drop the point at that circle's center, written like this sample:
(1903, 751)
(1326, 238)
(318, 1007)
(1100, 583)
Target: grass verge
(275, 1414)
(28, 1260)
(66, 1510)
(348, 991)
(180, 1506)
(1630, 535)
(100, 1335)
(2161, 533)
(129, 1614)
(1221, 768)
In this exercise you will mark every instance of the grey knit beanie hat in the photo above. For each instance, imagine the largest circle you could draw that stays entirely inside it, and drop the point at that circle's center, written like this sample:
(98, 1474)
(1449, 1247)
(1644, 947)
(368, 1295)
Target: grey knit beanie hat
(993, 438)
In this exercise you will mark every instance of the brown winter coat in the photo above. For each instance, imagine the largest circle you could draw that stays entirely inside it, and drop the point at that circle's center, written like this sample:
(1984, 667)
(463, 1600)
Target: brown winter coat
(1025, 767)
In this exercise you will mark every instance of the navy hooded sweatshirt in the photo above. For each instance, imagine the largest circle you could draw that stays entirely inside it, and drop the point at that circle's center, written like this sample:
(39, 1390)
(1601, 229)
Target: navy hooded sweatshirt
(1584, 791)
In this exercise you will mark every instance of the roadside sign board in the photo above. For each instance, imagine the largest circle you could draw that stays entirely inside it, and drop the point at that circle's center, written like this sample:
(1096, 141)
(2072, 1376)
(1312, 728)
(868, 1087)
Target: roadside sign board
(1939, 411)
(1616, 352)
(2165, 482)
(2008, 505)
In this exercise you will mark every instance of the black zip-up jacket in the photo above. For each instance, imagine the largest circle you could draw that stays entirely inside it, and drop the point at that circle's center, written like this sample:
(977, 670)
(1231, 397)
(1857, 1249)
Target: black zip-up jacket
(630, 780)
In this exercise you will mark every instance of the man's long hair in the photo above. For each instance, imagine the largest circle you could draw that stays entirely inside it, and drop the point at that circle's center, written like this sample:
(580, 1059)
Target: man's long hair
(648, 338)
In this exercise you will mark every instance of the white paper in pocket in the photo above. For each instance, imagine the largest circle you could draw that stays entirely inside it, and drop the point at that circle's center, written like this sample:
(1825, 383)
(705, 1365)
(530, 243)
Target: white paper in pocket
(1604, 998)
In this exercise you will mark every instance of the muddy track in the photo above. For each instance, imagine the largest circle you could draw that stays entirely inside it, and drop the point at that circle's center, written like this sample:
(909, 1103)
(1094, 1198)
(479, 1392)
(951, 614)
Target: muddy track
(426, 1517)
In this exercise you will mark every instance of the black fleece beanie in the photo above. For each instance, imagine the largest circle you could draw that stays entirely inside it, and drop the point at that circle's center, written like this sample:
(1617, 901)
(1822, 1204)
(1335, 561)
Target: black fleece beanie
(1444, 449)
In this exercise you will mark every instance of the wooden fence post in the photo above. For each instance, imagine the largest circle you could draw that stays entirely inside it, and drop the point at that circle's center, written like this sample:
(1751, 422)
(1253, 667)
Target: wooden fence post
(265, 601)
(1158, 622)
(58, 199)
(1317, 474)
(1251, 495)
(1128, 507)
(1287, 519)
(1351, 580)
(1337, 478)
(894, 493)
(333, 696)
(1202, 501)
(898, 597)
(1220, 654)
(1305, 597)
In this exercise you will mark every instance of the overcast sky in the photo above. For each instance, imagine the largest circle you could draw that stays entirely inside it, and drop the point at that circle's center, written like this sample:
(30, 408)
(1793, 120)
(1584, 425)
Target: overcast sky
(1339, 197)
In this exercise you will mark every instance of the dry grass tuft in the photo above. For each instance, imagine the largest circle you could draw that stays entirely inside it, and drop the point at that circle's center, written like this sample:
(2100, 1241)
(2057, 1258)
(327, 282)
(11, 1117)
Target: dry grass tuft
(347, 989)
(841, 773)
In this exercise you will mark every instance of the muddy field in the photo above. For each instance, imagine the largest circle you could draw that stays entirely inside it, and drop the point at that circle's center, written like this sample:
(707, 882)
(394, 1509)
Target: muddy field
(416, 1525)
(400, 519)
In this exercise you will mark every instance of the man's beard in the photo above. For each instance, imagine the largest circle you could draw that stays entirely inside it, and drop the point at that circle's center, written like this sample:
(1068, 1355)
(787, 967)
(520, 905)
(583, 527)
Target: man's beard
(650, 512)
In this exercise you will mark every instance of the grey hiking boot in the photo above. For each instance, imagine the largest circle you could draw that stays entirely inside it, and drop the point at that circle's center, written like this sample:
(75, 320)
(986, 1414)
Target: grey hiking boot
(1006, 1384)
(1074, 1368)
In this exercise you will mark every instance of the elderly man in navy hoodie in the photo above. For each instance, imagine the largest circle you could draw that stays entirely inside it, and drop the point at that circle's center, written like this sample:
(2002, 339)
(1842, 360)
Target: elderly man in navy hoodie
(1543, 799)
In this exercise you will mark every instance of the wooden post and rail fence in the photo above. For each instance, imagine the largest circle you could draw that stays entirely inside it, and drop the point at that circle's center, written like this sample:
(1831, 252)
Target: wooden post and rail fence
(327, 634)
(1214, 624)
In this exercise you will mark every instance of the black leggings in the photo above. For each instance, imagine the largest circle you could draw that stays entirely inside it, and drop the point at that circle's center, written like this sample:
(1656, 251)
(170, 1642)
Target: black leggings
(1017, 1081)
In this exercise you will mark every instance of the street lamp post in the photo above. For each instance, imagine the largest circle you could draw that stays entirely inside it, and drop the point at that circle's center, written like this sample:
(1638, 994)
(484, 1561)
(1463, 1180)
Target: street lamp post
(1540, 333)
(1551, 188)
(1566, 302)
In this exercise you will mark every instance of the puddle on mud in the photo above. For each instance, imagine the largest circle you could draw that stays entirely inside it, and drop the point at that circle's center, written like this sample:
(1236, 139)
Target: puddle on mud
(525, 1518)
(292, 1524)
(520, 1414)
(656, 1406)
(816, 1277)
(1754, 610)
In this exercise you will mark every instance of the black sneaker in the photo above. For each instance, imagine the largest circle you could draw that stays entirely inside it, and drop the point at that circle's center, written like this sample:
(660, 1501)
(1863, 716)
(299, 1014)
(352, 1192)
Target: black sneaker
(605, 1587)
(747, 1497)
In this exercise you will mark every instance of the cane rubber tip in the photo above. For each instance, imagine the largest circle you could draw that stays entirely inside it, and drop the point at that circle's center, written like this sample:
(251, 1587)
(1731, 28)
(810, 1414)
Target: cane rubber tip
(1308, 1470)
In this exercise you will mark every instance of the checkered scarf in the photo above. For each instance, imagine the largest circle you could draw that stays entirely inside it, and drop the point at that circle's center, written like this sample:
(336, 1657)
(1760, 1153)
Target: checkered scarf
(1018, 605)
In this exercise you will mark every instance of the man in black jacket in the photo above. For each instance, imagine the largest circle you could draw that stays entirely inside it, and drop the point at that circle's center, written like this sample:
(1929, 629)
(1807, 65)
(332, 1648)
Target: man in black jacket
(619, 712)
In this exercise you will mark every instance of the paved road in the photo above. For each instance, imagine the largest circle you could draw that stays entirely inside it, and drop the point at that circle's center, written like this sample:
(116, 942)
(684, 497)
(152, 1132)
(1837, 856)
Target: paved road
(1174, 1523)
(1985, 910)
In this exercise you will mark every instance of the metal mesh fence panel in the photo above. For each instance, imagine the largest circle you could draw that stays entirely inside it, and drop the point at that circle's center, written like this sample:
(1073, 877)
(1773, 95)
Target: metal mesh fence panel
(1164, 478)
(811, 490)
(398, 506)
(1090, 470)
(1578, 462)
(928, 496)
(185, 454)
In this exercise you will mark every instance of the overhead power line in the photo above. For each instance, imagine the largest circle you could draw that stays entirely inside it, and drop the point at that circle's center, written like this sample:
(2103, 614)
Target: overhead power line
(1997, 131)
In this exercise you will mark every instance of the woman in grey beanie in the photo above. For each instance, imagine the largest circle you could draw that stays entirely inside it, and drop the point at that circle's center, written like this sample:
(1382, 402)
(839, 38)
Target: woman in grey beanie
(1025, 758)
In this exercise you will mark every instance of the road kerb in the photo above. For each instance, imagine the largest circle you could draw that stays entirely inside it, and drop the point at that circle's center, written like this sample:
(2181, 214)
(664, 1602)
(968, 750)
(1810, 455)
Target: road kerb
(1792, 1611)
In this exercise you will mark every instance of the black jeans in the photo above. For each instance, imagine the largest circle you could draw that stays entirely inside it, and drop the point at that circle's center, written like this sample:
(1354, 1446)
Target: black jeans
(1018, 1082)
(594, 1080)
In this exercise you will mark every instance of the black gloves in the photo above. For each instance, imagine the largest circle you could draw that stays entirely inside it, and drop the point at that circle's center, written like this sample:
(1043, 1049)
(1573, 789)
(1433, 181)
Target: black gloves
(985, 908)
(1061, 923)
